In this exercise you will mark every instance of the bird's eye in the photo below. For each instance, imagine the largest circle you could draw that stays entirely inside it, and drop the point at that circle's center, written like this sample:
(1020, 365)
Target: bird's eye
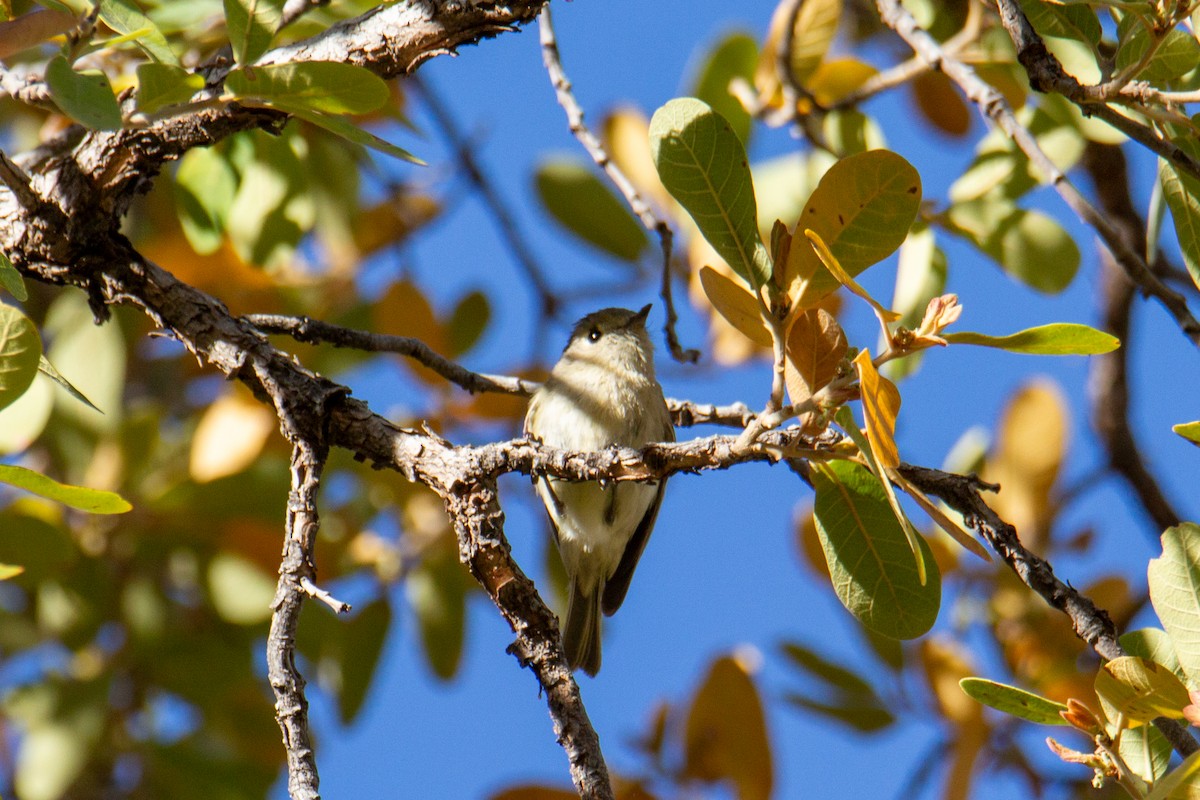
(594, 335)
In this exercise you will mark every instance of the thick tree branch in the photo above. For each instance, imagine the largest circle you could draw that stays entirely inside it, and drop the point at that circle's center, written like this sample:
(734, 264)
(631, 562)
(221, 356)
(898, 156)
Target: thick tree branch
(563, 90)
(993, 104)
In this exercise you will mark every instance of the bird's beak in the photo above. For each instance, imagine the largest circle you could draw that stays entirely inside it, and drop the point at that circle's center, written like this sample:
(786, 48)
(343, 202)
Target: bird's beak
(640, 317)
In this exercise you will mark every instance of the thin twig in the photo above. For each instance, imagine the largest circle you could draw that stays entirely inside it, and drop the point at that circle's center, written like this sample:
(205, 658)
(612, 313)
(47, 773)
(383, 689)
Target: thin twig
(993, 104)
(312, 331)
(295, 9)
(641, 209)
(317, 593)
(507, 225)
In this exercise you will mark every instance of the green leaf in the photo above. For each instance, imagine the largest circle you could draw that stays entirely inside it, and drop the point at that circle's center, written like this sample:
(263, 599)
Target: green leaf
(252, 25)
(1146, 752)
(732, 57)
(162, 85)
(1076, 22)
(468, 321)
(1152, 644)
(363, 639)
(437, 593)
(205, 187)
(862, 209)
(1013, 701)
(348, 131)
(94, 357)
(851, 699)
(94, 501)
(47, 369)
(864, 717)
(240, 590)
(11, 279)
(23, 421)
(1141, 689)
(322, 86)
(126, 18)
(1055, 339)
(583, 204)
(20, 349)
(1182, 193)
(86, 98)
(1179, 782)
(1189, 431)
(274, 206)
(703, 165)
(870, 559)
(1174, 579)
(1176, 55)
(1028, 245)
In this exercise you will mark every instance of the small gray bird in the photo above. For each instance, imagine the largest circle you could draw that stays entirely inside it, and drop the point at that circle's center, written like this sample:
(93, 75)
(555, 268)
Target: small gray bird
(601, 392)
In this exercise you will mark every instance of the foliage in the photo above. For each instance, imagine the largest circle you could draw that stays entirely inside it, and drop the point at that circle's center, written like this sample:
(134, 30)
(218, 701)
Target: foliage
(141, 619)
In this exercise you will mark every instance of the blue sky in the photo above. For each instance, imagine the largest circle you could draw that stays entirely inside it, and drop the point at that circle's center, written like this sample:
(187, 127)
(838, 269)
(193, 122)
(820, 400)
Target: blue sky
(721, 571)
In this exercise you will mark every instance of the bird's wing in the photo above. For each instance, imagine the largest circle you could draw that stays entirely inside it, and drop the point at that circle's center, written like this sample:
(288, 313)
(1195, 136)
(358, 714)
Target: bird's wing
(618, 585)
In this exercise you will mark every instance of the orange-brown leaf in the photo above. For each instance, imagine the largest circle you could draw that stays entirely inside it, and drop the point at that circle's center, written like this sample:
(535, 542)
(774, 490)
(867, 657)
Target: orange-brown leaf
(881, 406)
(815, 347)
(736, 304)
(726, 733)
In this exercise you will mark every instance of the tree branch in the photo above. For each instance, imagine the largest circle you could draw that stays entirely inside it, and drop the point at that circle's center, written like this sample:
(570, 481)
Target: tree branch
(993, 104)
(595, 148)
(1091, 624)
(1109, 379)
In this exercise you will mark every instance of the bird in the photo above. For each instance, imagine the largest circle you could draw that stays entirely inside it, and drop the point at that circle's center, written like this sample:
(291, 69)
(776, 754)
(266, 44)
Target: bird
(601, 392)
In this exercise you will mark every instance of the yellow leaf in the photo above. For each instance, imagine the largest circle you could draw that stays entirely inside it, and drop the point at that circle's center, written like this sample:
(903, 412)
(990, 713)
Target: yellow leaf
(837, 78)
(726, 733)
(945, 665)
(626, 135)
(831, 263)
(736, 304)
(813, 31)
(881, 405)
(815, 346)
(230, 437)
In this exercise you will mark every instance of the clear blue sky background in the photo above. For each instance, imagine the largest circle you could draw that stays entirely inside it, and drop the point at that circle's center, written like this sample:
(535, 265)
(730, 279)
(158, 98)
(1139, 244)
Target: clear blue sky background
(721, 571)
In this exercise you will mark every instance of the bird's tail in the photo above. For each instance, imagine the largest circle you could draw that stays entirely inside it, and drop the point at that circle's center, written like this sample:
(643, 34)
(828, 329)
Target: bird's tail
(581, 633)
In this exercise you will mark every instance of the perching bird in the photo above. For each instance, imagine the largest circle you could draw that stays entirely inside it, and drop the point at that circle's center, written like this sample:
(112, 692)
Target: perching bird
(601, 392)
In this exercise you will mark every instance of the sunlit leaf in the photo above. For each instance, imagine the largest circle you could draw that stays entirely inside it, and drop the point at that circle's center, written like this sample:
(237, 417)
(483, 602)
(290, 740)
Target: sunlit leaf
(725, 738)
(123, 16)
(20, 351)
(11, 280)
(732, 57)
(869, 556)
(162, 85)
(1189, 431)
(881, 406)
(86, 98)
(1141, 689)
(573, 194)
(273, 207)
(230, 436)
(1176, 51)
(93, 355)
(1182, 193)
(1013, 701)
(1064, 20)
(1152, 644)
(736, 304)
(326, 87)
(702, 163)
(1146, 752)
(346, 130)
(23, 421)
(1180, 783)
(1174, 579)
(1055, 339)
(10, 571)
(813, 31)
(252, 24)
(815, 347)
(836, 78)
(240, 591)
(94, 501)
(862, 210)
(51, 757)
